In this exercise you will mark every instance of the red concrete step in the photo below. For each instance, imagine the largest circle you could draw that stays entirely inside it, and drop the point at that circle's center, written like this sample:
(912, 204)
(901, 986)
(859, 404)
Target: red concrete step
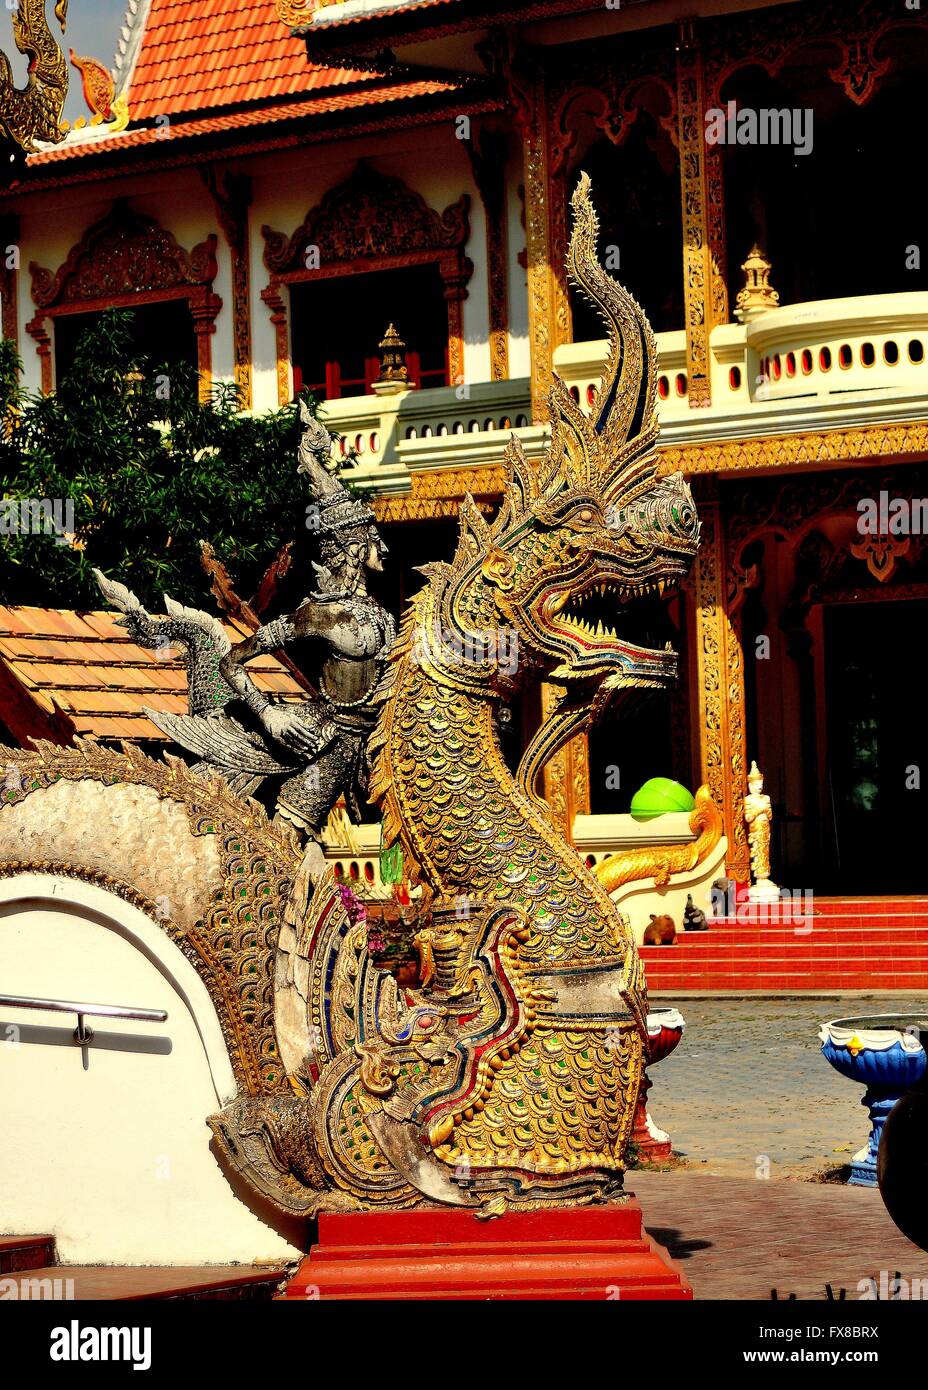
(845, 939)
(822, 921)
(658, 969)
(860, 936)
(122, 1283)
(788, 982)
(26, 1252)
(799, 954)
(916, 903)
(792, 941)
(583, 1253)
(843, 943)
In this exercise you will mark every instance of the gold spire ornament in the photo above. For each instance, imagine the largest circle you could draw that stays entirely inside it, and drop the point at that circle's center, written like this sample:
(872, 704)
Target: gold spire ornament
(33, 112)
(394, 376)
(758, 294)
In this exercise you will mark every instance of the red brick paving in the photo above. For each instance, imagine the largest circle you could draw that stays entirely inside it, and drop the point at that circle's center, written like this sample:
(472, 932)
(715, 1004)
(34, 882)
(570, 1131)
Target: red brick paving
(737, 1238)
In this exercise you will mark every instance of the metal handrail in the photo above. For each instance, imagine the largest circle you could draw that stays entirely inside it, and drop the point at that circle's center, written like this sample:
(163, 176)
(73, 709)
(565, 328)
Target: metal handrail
(71, 1006)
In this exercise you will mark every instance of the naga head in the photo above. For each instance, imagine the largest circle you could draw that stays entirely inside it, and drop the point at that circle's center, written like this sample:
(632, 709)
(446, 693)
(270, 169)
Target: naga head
(589, 530)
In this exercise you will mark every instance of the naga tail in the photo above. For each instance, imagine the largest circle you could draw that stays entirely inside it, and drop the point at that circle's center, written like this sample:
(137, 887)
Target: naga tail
(203, 638)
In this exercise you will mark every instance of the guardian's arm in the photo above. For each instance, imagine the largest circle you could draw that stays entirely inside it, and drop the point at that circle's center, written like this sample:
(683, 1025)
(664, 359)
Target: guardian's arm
(269, 638)
(283, 723)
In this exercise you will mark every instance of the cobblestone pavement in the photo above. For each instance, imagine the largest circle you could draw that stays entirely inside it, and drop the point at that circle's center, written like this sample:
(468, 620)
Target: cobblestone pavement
(737, 1238)
(748, 1085)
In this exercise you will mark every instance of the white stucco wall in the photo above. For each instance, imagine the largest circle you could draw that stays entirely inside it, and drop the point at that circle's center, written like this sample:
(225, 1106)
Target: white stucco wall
(285, 185)
(107, 1146)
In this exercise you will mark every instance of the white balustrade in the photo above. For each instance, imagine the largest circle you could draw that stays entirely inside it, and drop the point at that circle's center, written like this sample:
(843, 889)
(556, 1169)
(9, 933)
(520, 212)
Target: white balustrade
(828, 364)
(835, 346)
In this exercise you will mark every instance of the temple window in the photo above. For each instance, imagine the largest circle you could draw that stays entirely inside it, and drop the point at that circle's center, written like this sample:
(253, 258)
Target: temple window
(161, 332)
(372, 253)
(337, 324)
(128, 260)
(826, 239)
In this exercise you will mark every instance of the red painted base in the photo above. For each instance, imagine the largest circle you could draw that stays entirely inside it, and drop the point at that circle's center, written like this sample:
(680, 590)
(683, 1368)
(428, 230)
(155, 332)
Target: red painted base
(650, 1150)
(436, 1252)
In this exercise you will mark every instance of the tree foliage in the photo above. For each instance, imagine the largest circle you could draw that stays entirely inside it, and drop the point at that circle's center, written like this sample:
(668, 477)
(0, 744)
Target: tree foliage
(151, 471)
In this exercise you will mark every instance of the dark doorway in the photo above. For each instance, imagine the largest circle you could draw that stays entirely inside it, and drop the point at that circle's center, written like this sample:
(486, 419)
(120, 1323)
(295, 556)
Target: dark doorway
(637, 193)
(163, 333)
(877, 750)
(825, 239)
(338, 325)
(626, 749)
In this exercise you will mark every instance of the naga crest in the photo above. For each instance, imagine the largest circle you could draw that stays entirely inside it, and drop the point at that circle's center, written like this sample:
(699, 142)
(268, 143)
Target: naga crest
(586, 531)
(33, 112)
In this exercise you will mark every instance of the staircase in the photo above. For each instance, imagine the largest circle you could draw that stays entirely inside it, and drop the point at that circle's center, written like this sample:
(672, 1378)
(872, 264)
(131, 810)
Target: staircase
(31, 1262)
(844, 944)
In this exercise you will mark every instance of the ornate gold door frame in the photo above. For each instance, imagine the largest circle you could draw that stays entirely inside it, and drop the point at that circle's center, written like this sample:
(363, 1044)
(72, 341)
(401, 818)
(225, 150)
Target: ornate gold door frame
(718, 685)
(697, 261)
(231, 195)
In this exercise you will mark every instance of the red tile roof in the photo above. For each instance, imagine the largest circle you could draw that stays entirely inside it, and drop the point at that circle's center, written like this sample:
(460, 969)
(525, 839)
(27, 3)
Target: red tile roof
(216, 66)
(63, 673)
(202, 54)
(322, 104)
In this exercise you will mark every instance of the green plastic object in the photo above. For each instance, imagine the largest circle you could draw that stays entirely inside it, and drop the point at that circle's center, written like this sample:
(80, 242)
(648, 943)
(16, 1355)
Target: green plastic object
(391, 864)
(659, 795)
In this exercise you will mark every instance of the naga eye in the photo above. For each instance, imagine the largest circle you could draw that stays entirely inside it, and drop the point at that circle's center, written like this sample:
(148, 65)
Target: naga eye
(586, 515)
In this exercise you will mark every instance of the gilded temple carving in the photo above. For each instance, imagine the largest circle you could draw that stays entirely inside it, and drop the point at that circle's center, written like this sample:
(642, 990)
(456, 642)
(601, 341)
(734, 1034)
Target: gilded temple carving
(125, 253)
(370, 216)
(854, 36)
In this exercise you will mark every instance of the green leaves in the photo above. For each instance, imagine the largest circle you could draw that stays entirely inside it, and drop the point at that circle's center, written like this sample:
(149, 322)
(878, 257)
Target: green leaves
(151, 472)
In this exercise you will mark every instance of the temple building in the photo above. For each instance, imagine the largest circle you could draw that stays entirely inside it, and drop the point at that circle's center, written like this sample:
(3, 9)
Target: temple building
(370, 198)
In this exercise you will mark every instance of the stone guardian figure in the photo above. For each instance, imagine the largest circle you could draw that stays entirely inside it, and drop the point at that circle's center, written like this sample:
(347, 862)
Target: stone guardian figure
(315, 750)
(757, 817)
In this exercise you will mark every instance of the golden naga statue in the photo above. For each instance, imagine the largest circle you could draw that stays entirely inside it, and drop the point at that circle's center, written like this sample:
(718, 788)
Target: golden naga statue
(501, 1067)
(33, 112)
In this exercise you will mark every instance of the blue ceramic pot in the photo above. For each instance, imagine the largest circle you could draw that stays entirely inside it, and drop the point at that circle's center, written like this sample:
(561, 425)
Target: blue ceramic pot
(883, 1053)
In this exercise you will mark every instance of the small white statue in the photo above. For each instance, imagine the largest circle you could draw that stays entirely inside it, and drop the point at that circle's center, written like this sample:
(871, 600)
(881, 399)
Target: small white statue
(757, 817)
